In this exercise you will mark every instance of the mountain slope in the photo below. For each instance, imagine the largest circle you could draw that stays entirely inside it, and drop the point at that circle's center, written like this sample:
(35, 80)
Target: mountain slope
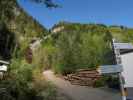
(16, 21)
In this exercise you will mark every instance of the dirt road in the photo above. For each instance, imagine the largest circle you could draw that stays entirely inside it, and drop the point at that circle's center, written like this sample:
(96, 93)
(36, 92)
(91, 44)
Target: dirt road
(81, 92)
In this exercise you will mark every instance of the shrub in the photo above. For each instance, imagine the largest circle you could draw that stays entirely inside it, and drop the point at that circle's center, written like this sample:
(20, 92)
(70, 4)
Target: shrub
(25, 82)
(100, 82)
(16, 89)
(43, 56)
(21, 70)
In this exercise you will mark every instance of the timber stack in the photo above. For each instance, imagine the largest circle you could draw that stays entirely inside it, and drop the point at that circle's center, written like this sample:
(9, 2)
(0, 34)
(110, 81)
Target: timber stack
(84, 77)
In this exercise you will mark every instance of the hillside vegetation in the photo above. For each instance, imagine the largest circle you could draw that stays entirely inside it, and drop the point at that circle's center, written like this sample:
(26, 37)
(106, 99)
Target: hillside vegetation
(23, 80)
(83, 45)
(18, 23)
(121, 33)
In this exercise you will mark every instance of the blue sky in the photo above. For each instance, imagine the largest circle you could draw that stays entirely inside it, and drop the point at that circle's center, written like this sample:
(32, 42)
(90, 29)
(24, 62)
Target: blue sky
(109, 12)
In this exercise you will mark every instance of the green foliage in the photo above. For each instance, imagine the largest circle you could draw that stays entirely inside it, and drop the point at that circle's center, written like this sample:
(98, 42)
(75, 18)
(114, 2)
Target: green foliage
(66, 54)
(27, 26)
(5, 9)
(25, 82)
(122, 34)
(16, 84)
(93, 51)
(17, 30)
(82, 46)
(43, 56)
(14, 89)
(100, 82)
(86, 45)
(21, 70)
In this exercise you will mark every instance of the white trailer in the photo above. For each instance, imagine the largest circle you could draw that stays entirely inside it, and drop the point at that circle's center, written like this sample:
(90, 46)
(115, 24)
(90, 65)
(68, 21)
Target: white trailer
(127, 62)
(124, 51)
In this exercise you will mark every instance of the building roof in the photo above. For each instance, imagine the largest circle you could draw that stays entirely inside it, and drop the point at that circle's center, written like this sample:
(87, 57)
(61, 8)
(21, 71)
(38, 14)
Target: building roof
(125, 51)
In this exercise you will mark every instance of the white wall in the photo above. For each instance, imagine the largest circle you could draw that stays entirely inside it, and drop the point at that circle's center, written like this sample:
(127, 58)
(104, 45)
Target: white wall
(127, 62)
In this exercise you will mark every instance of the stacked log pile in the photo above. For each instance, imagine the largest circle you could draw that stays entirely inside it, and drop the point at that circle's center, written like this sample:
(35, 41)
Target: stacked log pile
(84, 77)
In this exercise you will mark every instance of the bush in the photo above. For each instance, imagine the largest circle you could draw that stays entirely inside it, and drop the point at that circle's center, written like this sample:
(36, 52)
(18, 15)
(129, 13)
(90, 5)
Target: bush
(100, 82)
(43, 56)
(16, 89)
(25, 82)
(21, 69)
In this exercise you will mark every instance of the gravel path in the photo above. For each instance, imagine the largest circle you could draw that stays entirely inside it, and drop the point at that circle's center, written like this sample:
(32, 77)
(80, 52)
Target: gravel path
(81, 92)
